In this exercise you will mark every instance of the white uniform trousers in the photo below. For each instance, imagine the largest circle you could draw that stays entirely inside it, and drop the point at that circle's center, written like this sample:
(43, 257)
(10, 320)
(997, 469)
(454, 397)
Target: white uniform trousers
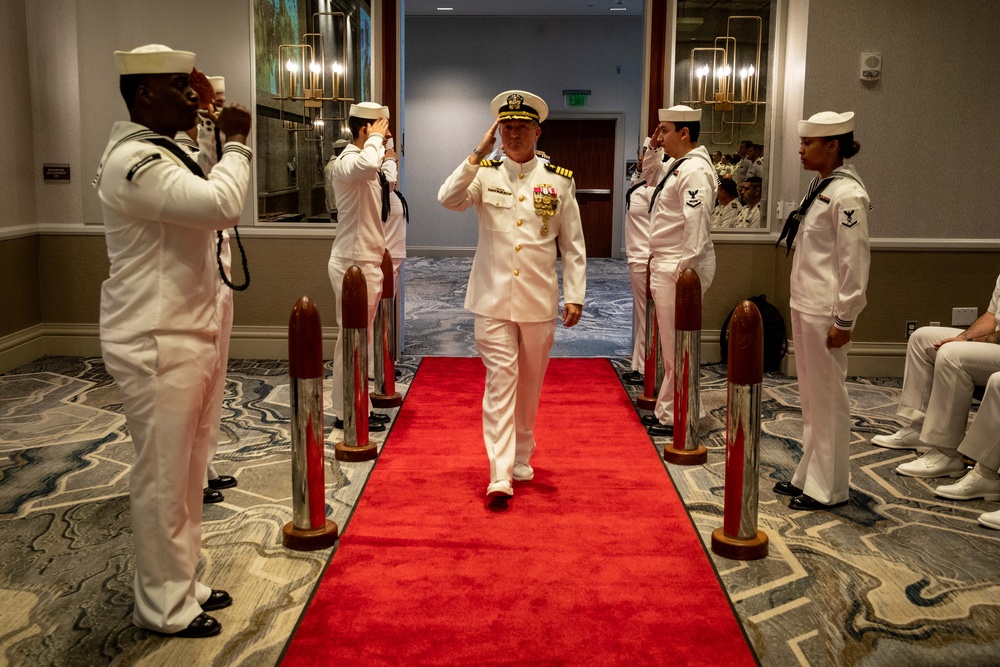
(919, 371)
(168, 387)
(516, 355)
(823, 472)
(373, 281)
(663, 285)
(637, 276)
(215, 420)
(958, 368)
(982, 441)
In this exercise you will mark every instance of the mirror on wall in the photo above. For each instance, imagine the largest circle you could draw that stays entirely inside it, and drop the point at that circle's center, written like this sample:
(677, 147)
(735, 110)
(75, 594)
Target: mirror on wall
(722, 65)
(312, 61)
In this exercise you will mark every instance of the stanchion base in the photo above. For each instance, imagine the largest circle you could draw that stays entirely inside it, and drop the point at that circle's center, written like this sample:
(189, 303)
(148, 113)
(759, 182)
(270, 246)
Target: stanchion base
(686, 457)
(353, 454)
(309, 540)
(737, 549)
(386, 400)
(646, 402)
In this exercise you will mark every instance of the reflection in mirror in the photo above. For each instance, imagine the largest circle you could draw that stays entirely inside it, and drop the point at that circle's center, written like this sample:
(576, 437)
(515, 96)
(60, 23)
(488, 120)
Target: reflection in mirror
(722, 66)
(313, 59)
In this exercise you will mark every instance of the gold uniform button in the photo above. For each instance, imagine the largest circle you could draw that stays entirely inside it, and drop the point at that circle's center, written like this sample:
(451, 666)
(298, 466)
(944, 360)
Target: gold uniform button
(517, 272)
(520, 176)
(521, 198)
(517, 248)
(519, 222)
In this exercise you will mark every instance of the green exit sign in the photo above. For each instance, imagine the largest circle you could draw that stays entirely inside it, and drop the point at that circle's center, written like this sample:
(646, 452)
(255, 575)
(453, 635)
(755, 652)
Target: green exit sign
(576, 98)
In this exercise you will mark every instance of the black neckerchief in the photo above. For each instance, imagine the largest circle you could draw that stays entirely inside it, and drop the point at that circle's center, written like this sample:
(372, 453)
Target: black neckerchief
(384, 184)
(628, 195)
(791, 227)
(406, 208)
(177, 151)
(670, 172)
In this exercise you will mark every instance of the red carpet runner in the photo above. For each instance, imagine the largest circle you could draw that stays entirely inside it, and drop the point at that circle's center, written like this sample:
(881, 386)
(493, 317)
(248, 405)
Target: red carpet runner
(595, 562)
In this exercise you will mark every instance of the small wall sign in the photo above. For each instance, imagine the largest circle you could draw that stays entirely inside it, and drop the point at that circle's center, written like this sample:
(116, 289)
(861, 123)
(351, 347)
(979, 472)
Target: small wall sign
(55, 172)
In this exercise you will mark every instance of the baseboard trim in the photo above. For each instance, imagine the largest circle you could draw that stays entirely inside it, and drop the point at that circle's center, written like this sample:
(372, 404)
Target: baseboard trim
(257, 342)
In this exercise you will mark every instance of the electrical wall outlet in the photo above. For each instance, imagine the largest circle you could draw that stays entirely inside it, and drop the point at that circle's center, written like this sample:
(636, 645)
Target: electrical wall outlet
(963, 317)
(911, 326)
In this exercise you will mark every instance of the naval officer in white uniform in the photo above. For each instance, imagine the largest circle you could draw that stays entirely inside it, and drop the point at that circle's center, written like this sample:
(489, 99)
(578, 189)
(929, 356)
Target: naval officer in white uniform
(160, 321)
(526, 208)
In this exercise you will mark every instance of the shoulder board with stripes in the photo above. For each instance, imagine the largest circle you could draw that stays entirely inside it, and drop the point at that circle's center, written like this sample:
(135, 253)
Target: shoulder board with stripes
(562, 171)
(491, 163)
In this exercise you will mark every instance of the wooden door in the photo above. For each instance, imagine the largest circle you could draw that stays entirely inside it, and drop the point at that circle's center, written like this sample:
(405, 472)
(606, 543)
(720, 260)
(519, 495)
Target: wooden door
(587, 148)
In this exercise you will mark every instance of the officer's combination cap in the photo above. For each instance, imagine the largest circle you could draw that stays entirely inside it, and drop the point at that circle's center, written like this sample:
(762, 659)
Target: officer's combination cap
(519, 105)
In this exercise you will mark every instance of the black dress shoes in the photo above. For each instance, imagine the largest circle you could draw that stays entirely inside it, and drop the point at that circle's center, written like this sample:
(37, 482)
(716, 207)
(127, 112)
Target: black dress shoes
(217, 600)
(787, 489)
(805, 502)
(378, 418)
(212, 496)
(373, 426)
(635, 377)
(222, 482)
(662, 430)
(203, 625)
(649, 420)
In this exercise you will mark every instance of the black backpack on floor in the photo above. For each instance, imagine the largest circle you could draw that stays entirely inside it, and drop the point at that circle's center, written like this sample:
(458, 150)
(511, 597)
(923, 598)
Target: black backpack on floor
(775, 335)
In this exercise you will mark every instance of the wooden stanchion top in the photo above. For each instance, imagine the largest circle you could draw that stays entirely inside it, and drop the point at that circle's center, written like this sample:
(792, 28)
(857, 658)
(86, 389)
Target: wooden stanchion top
(354, 300)
(305, 341)
(687, 302)
(388, 284)
(746, 345)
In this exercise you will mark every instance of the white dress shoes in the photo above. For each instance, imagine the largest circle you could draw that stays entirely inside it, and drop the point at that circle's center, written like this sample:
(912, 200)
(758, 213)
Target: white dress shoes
(990, 519)
(906, 438)
(500, 489)
(523, 472)
(933, 464)
(973, 485)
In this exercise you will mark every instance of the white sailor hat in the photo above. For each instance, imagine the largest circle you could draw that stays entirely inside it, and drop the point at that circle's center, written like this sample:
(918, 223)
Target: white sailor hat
(369, 110)
(218, 83)
(827, 124)
(680, 114)
(154, 59)
(519, 105)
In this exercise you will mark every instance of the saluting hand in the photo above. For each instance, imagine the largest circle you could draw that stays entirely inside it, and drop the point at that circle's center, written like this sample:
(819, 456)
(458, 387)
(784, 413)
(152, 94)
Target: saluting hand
(234, 121)
(486, 145)
(380, 126)
(654, 139)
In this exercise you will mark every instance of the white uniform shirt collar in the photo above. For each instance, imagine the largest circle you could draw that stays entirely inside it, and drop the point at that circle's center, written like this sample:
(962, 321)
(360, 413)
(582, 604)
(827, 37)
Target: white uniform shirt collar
(515, 168)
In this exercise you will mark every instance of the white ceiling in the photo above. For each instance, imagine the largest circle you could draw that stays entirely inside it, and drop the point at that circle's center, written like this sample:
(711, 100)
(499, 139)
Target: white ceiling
(633, 8)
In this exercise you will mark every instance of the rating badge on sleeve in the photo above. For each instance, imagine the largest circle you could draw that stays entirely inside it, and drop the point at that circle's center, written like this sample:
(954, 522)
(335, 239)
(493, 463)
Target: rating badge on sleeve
(546, 202)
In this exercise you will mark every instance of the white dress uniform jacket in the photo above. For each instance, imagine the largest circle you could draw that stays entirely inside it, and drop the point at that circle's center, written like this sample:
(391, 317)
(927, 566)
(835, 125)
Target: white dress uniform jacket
(748, 217)
(514, 271)
(828, 282)
(160, 335)
(725, 215)
(679, 238)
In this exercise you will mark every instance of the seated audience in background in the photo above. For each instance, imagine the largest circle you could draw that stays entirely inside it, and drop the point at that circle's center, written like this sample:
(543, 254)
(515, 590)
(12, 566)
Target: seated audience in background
(750, 216)
(982, 444)
(728, 209)
(943, 365)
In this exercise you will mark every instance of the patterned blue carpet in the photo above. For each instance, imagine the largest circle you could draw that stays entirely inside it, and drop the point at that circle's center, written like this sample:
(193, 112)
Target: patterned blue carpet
(896, 577)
